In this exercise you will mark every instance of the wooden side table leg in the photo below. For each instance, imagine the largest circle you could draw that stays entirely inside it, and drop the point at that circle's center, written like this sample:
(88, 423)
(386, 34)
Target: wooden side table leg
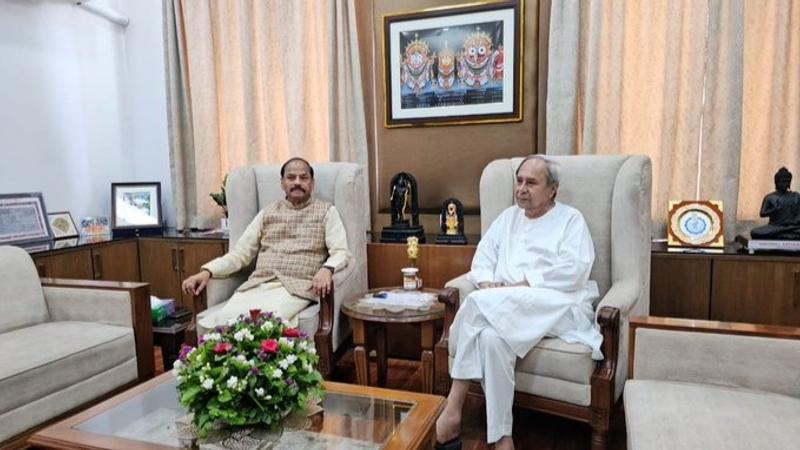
(380, 352)
(359, 353)
(426, 341)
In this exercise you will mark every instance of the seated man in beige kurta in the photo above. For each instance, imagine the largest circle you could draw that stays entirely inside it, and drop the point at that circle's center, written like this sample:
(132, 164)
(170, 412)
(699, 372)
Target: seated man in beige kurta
(298, 243)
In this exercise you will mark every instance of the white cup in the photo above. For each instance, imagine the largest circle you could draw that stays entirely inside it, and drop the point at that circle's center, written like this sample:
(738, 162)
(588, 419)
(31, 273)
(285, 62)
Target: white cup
(411, 279)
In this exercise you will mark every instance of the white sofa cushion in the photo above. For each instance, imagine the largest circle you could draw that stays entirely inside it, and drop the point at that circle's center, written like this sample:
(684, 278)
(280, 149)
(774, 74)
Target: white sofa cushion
(21, 296)
(48, 357)
(671, 415)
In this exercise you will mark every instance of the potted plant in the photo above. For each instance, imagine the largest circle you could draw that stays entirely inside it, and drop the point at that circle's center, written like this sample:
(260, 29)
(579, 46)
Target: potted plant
(221, 200)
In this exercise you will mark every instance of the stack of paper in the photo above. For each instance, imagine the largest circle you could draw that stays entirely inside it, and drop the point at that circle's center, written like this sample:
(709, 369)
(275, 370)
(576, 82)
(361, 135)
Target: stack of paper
(400, 300)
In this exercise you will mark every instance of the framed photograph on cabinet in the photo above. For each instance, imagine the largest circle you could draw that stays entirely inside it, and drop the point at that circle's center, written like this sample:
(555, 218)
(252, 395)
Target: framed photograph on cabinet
(695, 224)
(23, 219)
(136, 206)
(62, 225)
(454, 65)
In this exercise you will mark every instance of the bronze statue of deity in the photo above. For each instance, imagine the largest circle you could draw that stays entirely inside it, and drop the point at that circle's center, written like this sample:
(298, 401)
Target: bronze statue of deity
(404, 210)
(451, 223)
(783, 209)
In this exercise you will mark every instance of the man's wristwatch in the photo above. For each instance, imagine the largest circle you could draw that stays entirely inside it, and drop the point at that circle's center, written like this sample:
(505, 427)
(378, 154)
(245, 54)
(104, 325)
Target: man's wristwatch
(329, 268)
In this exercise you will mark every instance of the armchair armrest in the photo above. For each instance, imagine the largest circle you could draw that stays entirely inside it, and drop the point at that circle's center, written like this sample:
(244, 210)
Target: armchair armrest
(219, 290)
(463, 285)
(622, 295)
(761, 357)
(114, 302)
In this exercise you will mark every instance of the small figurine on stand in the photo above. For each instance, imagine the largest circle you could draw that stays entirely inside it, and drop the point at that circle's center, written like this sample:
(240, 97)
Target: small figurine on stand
(783, 209)
(451, 223)
(405, 216)
(411, 279)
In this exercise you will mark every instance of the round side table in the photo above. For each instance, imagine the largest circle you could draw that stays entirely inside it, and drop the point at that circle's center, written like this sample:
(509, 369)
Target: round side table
(377, 316)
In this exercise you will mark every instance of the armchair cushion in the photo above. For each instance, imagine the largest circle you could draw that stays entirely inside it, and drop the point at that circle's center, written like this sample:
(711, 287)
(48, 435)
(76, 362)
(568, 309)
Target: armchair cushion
(64, 354)
(672, 415)
(23, 302)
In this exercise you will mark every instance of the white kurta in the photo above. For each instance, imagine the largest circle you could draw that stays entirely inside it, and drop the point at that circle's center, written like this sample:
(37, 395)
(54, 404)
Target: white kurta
(554, 255)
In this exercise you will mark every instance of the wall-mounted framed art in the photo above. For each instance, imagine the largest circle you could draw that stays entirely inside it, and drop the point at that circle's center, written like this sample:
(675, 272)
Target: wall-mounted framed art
(23, 219)
(454, 65)
(136, 207)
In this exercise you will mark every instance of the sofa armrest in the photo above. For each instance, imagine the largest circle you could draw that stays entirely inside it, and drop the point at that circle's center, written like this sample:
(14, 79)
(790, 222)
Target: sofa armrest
(622, 295)
(760, 357)
(113, 302)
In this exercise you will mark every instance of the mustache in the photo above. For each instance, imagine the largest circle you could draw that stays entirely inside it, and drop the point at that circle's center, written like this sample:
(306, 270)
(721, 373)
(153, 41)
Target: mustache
(298, 188)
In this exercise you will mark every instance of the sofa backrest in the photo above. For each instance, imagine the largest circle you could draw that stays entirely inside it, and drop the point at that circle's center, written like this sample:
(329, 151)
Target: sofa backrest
(21, 297)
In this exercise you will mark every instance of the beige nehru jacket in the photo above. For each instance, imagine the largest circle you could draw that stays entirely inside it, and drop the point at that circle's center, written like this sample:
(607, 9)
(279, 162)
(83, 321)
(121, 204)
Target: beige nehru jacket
(249, 244)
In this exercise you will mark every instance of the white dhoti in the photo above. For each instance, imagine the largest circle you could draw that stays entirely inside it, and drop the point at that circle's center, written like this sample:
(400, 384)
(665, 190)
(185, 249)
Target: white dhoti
(271, 296)
(494, 327)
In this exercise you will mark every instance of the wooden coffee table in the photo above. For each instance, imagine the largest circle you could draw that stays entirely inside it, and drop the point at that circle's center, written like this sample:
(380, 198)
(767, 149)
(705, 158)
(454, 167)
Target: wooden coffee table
(377, 317)
(143, 418)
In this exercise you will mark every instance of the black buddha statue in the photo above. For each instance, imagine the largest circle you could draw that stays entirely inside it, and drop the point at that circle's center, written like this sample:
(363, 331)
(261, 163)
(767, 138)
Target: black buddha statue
(404, 209)
(783, 209)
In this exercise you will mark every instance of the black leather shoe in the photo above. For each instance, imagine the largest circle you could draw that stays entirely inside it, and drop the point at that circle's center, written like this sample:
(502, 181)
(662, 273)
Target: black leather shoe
(452, 444)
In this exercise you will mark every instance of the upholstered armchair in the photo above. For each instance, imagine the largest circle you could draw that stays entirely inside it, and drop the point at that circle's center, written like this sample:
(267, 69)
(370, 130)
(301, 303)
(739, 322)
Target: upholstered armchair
(613, 193)
(249, 189)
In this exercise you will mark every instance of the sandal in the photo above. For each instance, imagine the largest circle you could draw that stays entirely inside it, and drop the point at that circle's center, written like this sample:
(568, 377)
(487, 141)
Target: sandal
(452, 444)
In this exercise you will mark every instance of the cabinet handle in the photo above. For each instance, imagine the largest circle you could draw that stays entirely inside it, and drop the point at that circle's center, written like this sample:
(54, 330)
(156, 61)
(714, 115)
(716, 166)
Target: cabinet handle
(181, 260)
(174, 259)
(98, 264)
(42, 269)
(796, 288)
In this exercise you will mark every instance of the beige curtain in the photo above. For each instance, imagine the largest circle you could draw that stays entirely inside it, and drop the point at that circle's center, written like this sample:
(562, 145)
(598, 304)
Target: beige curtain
(771, 106)
(257, 82)
(637, 77)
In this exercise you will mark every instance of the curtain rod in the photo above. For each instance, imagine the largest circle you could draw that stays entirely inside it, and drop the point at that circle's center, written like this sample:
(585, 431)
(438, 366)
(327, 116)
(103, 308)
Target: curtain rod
(104, 12)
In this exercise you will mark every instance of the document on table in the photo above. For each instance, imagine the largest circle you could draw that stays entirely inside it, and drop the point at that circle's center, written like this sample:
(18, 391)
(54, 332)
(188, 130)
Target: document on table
(404, 300)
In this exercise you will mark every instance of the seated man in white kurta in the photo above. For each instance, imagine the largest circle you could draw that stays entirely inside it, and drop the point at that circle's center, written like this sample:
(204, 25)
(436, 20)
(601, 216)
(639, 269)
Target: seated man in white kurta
(298, 243)
(532, 273)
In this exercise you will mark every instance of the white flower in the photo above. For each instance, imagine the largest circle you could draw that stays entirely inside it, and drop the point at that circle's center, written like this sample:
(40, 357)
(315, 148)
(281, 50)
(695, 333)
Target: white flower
(312, 350)
(291, 359)
(269, 397)
(175, 372)
(199, 358)
(212, 337)
(232, 381)
(303, 345)
(239, 335)
(266, 326)
(241, 359)
(277, 373)
(180, 379)
(307, 367)
(260, 392)
(287, 342)
(243, 334)
(177, 365)
(208, 383)
(284, 364)
(232, 321)
(252, 362)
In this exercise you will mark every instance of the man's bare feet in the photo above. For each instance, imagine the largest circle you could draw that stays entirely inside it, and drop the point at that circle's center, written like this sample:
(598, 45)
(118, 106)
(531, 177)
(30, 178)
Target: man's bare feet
(448, 425)
(505, 443)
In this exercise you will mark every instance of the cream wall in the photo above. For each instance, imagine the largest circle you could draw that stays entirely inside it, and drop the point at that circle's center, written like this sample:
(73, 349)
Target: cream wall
(82, 102)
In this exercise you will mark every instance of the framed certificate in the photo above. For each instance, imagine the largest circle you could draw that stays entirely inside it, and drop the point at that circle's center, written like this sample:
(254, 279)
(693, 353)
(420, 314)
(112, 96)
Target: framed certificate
(695, 224)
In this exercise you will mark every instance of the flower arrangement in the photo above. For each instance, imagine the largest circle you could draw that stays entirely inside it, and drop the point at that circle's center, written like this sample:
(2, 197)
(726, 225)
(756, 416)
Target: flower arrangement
(256, 370)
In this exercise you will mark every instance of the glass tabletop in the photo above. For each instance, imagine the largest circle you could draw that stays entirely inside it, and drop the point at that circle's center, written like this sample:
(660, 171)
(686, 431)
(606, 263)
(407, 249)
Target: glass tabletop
(395, 303)
(347, 421)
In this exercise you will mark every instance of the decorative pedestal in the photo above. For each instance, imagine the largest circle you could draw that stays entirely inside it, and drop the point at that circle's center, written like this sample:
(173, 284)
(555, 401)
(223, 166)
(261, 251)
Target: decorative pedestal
(400, 235)
(451, 239)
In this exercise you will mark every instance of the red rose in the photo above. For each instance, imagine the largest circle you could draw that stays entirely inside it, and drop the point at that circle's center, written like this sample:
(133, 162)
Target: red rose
(254, 313)
(291, 332)
(222, 347)
(269, 345)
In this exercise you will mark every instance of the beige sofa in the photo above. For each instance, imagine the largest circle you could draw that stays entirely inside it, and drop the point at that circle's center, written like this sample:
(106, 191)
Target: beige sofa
(64, 343)
(712, 385)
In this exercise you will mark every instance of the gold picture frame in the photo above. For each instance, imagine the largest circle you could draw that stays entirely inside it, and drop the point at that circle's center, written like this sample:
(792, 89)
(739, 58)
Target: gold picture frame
(695, 223)
(454, 65)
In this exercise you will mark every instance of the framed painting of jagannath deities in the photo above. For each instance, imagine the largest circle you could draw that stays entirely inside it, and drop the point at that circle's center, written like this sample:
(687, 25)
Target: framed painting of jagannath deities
(454, 65)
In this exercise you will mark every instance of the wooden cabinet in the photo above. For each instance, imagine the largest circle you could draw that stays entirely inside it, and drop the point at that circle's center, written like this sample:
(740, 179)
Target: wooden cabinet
(166, 262)
(728, 287)
(75, 264)
(756, 291)
(437, 264)
(116, 261)
(680, 286)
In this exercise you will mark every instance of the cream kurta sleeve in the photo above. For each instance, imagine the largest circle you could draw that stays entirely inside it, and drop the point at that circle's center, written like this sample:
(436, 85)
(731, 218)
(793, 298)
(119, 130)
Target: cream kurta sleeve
(242, 254)
(485, 259)
(336, 240)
